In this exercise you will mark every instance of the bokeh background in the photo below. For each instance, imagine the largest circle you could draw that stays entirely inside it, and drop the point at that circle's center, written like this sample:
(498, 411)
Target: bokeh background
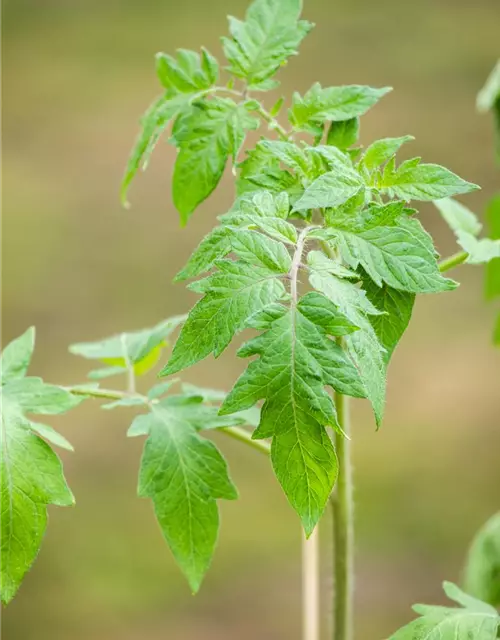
(77, 75)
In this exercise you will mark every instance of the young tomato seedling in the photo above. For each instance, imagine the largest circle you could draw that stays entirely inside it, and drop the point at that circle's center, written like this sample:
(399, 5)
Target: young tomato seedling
(321, 255)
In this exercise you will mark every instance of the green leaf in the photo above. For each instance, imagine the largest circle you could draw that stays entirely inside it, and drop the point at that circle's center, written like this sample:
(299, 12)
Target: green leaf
(466, 227)
(490, 93)
(206, 136)
(396, 307)
(184, 475)
(141, 348)
(51, 435)
(255, 248)
(296, 361)
(31, 473)
(330, 190)
(474, 620)
(265, 212)
(108, 372)
(481, 251)
(185, 79)
(363, 346)
(233, 293)
(424, 182)
(214, 246)
(161, 388)
(130, 401)
(16, 356)
(493, 267)
(309, 112)
(458, 217)
(382, 150)
(259, 46)
(353, 216)
(396, 255)
(189, 74)
(482, 569)
(343, 134)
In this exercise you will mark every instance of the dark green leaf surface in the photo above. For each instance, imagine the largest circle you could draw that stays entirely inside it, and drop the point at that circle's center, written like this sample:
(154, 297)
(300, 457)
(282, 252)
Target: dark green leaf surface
(206, 136)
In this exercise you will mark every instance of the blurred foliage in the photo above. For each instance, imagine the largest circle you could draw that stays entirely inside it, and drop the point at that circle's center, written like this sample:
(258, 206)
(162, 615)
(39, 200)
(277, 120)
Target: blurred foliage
(77, 75)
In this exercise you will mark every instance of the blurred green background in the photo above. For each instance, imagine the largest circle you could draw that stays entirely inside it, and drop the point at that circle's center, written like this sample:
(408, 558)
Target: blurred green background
(77, 75)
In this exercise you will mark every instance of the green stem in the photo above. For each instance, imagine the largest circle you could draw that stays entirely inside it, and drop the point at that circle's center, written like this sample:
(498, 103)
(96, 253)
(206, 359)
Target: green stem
(245, 436)
(343, 532)
(453, 261)
(238, 433)
(275, 125)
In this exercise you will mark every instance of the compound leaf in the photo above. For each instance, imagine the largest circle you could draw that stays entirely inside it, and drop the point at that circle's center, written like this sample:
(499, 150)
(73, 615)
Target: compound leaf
(184, 475)
(296, 360)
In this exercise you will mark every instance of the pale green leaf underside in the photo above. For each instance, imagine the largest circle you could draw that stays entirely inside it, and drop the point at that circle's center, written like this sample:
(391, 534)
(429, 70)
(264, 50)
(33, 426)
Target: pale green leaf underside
(475, 621)
(141, 349)
(16, 356)
(466, 226)
(184, 475)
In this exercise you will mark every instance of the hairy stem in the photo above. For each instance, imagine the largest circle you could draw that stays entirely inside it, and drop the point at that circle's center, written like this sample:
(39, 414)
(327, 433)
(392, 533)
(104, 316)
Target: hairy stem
(453, 261)
(274, 124)
(343, 531)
